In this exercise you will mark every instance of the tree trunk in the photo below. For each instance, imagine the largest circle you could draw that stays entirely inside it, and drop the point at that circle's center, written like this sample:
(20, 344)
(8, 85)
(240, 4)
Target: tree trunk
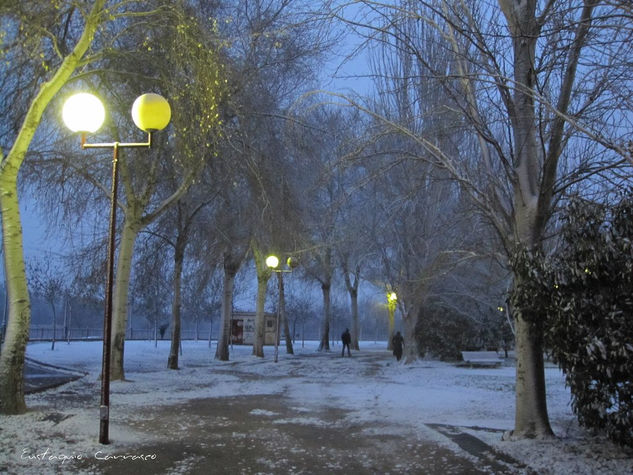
(263, 275)
(67, 316)
(179, 257)
(283, 316)
(260, 316)
(224, 338)
(391, 309)
(352, 289)
(17, 330)
(54, 325)
(531, 418)
(410, 321)
(121, 289)
(327, 312)
(353, 295)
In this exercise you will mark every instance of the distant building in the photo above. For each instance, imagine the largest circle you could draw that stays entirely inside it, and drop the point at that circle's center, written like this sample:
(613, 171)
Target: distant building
(243, 328)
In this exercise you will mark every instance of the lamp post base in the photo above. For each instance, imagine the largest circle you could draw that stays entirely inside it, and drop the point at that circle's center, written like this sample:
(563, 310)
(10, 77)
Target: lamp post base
(104, 423)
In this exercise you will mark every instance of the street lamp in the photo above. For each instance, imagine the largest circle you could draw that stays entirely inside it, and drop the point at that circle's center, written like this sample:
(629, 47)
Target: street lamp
(392, 300)
(84, 112)
(273, 263)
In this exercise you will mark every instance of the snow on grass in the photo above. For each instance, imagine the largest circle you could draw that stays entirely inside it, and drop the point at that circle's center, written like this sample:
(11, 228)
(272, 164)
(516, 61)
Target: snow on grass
(370, 388)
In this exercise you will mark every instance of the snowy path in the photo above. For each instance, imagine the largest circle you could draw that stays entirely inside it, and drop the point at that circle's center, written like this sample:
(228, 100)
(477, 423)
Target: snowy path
(309, 413)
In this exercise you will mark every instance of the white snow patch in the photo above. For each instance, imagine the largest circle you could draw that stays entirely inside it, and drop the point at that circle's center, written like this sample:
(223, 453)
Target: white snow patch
(375, 392)
(263, 412)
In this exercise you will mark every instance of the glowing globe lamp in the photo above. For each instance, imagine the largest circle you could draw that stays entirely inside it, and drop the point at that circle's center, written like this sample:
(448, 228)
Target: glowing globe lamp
(83, 112)
(151, 112)
(272, 261)
(392, 297)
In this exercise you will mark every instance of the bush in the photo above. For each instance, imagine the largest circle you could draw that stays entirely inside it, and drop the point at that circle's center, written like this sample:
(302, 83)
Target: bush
(591, 331)
(586, 292)
(445, 334)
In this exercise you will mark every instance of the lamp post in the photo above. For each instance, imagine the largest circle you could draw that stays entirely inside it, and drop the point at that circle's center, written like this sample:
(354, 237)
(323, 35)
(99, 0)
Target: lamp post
(273, 263)
(392, 300)
(85, 113)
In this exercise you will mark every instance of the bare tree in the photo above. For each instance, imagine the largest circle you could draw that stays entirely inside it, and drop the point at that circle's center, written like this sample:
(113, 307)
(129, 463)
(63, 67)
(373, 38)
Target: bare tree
(320, 141)
(49, 282)
(275, 45)
(562, 85)
(145, 201)
(230, 232)
(62, 52)
(176, 229)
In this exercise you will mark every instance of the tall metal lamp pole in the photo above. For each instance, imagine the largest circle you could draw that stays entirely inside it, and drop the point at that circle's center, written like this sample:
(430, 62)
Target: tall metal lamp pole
(85, 113)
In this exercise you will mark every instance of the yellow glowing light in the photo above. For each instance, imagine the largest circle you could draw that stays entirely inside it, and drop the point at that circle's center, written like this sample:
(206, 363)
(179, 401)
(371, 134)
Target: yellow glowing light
(272, 261)
(83, 112)
(151, 112)
(500, 308)
(392, 297)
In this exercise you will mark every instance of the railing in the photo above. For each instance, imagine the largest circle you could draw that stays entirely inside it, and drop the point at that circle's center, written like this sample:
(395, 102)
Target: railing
(46, 334)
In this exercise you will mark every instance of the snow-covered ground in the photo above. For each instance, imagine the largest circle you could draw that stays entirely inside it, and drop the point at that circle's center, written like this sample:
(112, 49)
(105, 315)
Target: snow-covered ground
(370, 387)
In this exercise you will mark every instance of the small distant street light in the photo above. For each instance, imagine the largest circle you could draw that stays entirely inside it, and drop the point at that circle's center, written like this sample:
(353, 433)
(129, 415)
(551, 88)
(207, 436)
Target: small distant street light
(273, 263)
(392, 301)
(85, 113)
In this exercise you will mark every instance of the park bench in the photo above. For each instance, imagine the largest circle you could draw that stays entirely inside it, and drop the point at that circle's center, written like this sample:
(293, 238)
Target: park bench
(482, 358)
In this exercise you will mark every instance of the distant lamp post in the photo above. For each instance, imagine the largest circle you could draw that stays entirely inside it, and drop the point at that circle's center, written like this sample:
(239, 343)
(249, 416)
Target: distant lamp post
(273, 263)
(392, 301)
(84, 113)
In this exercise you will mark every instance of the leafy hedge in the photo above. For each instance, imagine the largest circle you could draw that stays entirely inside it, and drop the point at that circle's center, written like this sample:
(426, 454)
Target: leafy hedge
(444, 334)
(586, 292)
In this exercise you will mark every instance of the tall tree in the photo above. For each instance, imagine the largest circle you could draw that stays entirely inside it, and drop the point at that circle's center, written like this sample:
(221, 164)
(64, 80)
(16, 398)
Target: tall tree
(48, 282)
(275, 53)
(178, 224)
(189, 51)
(263, 276)
(531, 80)
(59, 52)
(321, 141)
(230, 236)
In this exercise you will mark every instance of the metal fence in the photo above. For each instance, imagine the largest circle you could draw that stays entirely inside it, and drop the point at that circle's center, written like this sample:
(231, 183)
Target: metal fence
(46, 334)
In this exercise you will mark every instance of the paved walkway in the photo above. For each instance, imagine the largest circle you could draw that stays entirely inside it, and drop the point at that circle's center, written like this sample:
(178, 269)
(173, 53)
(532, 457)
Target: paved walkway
(269, 435)
(263, 435)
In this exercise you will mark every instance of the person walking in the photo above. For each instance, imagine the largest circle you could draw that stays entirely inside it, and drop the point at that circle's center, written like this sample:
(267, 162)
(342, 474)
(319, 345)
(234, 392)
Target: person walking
(346, 338)
(398, 343)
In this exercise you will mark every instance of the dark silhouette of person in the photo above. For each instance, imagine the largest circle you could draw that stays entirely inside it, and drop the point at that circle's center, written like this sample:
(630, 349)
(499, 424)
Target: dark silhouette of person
(398, 343)
(162, 329)
(346, 338)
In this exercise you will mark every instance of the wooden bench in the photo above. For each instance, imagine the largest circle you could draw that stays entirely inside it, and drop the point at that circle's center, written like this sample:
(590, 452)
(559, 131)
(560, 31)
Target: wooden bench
(482, 358)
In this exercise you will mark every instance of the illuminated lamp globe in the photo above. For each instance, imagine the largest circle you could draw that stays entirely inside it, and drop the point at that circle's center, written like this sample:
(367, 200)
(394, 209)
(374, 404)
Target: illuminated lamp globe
(292, 262)
(392, 297)
(83, 112)
(272, 261)
(151, 112)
